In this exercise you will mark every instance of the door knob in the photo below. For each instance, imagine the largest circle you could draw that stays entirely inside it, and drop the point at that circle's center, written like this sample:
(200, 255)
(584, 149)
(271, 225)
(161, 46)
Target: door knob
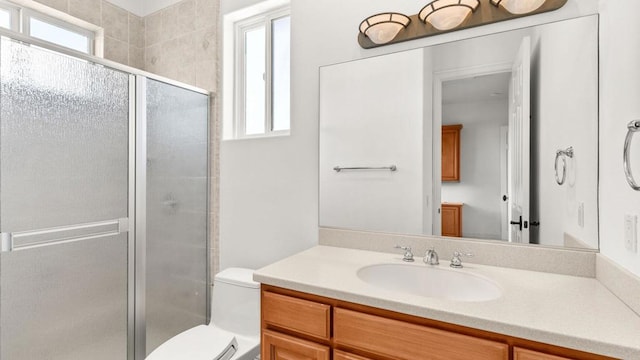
(505, 198)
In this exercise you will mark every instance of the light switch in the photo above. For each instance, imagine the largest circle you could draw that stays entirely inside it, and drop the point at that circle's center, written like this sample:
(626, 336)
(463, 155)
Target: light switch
(631, 233)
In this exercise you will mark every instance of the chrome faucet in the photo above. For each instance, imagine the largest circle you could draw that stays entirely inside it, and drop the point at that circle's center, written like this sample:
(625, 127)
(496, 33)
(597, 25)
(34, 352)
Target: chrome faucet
(456, 261)
(431, 257)
(408, 255)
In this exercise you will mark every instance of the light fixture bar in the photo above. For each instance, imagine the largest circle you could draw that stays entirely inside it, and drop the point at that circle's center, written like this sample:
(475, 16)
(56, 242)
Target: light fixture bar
(440, 16)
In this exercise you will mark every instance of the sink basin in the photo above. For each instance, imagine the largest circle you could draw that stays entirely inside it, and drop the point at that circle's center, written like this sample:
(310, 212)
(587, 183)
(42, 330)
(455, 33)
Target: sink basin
(434, 282)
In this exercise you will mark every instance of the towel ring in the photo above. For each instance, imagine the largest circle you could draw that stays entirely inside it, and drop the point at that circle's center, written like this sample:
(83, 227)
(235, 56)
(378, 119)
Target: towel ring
(562, 154)
(634, 127)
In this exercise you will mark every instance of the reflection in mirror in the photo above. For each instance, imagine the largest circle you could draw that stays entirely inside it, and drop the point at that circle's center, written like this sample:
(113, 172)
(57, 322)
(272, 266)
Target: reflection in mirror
(478, 131)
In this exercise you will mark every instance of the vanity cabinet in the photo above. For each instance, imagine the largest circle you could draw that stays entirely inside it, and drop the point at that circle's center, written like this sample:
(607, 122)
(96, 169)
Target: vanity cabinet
(297, 325)
(451, 214)
(451, 152)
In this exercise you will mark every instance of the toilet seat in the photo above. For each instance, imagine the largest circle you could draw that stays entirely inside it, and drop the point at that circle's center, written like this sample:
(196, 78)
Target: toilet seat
(203, 342)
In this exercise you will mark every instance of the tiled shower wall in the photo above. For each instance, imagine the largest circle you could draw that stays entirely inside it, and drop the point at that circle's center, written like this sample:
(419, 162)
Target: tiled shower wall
(179, 42)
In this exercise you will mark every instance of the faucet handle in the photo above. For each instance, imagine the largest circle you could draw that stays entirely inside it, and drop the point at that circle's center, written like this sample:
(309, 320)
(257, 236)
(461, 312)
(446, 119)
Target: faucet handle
(431, 257)
(408, 255)
(456, 261)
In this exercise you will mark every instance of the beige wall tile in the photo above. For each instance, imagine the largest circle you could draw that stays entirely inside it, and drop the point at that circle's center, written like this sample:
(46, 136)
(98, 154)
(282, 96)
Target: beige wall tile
(206, 75)
(115, 22)
(206, 44)
(153, 28)
(170, 22)
(136, 57)
(186, 16)
(88, 10)
(136, 31)
(116, 50)
(206, 13)
(153, 59)
(62, 5)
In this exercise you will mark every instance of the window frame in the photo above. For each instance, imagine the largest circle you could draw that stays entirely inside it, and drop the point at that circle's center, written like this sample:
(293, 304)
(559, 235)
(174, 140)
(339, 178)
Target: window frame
(240, 28)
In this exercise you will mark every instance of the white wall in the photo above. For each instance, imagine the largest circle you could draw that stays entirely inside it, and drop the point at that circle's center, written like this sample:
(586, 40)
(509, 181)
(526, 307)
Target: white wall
(269, 187)
(619, 103)
(564, 69)
(370, 116)
(479, 185)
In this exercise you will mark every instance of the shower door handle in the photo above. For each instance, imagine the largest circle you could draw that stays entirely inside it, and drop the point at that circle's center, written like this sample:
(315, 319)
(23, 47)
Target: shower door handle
(24, 240)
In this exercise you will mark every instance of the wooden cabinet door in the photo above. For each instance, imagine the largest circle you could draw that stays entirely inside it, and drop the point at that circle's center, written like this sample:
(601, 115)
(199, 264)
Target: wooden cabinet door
(451, 220)
(276, 346)
(451, 152)
(524, 354)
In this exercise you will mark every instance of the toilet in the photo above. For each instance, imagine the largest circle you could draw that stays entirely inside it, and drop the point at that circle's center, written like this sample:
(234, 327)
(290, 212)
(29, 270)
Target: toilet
(234, 330)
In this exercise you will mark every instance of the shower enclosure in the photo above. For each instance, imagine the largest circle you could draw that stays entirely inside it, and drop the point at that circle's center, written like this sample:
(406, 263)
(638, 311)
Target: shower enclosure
(103, 206)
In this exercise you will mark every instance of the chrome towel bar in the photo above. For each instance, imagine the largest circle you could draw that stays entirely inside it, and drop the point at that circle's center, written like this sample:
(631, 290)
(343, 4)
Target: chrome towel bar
(562, 154)
(390, 168)
(633, 127)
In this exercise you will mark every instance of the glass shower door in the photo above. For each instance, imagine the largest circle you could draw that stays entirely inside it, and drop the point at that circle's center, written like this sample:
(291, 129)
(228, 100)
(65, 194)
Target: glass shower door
(176, 210)
(64, 190)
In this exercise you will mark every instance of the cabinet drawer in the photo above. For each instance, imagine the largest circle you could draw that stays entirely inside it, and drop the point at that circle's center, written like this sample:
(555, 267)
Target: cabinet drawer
(302, 316)
(401, 340)
(524, 354)
(276, 346)
(341, 355)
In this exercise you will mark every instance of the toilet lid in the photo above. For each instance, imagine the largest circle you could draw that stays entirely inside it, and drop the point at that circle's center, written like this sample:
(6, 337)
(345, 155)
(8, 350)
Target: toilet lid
(199, 343)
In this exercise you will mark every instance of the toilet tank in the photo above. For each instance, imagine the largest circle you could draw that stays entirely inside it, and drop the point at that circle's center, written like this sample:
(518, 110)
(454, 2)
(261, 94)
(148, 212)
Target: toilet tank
(235, 303)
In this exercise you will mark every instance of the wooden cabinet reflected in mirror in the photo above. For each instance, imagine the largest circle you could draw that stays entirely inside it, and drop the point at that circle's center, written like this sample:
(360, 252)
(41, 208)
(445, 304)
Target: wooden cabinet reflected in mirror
(451, 152)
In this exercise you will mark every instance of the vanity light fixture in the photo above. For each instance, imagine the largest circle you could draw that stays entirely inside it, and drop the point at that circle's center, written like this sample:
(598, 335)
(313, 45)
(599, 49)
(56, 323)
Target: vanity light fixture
(440, 16)
(382, 28)
(447, 14)
(519, 7)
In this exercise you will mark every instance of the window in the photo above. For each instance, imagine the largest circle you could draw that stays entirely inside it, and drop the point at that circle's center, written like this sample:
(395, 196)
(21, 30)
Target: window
(9, 16)
(262, 79)
(43, 27)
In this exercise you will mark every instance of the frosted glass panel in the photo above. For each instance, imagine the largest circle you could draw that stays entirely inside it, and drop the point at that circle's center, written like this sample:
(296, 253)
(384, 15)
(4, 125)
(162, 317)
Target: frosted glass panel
(176, 211)
(63, 161)
(281, 34)
(65, 302)
(63, 140)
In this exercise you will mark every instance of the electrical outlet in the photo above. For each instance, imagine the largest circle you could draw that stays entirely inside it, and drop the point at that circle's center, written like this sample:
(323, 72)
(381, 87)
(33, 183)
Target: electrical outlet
(631, 233)
(581, 215)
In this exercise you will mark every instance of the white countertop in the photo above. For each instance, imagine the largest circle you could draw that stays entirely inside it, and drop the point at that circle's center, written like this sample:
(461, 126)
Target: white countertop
(568, 311)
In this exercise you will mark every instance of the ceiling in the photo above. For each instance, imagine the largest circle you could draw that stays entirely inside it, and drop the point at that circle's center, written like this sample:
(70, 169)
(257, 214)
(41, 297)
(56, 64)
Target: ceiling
(143, 7)
(476, 89)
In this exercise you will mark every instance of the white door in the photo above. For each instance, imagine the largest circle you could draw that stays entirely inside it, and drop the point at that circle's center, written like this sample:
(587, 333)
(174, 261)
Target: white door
(519, 144)
(504, 183)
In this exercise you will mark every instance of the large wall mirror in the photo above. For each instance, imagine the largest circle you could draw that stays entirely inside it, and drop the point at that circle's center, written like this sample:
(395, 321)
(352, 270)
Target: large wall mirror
(494, 137)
